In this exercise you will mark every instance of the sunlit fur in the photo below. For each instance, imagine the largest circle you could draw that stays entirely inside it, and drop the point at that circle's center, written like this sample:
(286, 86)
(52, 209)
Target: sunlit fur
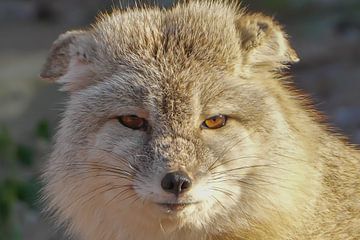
(272, 172)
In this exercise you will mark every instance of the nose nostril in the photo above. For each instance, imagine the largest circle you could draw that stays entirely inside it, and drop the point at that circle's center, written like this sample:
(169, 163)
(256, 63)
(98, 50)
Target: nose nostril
(167, 184)
(185, 185)
(176, 182)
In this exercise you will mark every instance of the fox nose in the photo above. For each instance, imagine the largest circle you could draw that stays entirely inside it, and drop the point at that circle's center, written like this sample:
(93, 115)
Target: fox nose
(176, 182)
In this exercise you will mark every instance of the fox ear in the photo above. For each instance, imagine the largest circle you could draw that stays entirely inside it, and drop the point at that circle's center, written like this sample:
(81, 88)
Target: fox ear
(263, 42)
(70, 61)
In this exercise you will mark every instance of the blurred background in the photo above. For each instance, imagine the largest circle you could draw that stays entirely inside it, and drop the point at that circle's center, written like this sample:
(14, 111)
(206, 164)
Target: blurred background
(325, 33)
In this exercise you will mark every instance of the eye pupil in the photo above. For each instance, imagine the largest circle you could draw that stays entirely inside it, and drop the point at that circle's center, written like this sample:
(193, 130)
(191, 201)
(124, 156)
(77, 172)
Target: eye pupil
(214, 122)
(133, 122)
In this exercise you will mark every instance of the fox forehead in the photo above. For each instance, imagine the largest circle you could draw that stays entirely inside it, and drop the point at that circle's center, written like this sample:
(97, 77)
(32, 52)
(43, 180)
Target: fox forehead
(170, 40)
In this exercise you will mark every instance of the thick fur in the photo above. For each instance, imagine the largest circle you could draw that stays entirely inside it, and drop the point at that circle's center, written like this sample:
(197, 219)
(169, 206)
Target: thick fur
(273, 171)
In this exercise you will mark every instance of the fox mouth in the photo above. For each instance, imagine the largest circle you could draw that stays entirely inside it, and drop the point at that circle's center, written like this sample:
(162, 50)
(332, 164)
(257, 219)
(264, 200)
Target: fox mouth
(176, 206)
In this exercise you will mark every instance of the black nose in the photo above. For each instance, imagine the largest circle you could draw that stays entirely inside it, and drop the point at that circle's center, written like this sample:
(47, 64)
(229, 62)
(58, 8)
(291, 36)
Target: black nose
(176, 182)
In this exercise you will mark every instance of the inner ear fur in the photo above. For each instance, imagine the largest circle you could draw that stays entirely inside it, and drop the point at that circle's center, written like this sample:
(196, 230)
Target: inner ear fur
(263, 41)
(70, 61)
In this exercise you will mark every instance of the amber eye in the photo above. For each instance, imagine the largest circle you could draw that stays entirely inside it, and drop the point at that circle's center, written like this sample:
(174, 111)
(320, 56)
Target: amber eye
(133, 122)
(214, 122)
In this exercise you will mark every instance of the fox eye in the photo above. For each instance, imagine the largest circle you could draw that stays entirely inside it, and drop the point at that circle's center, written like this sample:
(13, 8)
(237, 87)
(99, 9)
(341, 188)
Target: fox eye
(214, 122)
(133, 122)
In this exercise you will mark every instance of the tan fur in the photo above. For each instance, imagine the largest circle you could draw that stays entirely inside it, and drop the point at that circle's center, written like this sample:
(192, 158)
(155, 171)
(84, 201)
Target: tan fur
(274, 171)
